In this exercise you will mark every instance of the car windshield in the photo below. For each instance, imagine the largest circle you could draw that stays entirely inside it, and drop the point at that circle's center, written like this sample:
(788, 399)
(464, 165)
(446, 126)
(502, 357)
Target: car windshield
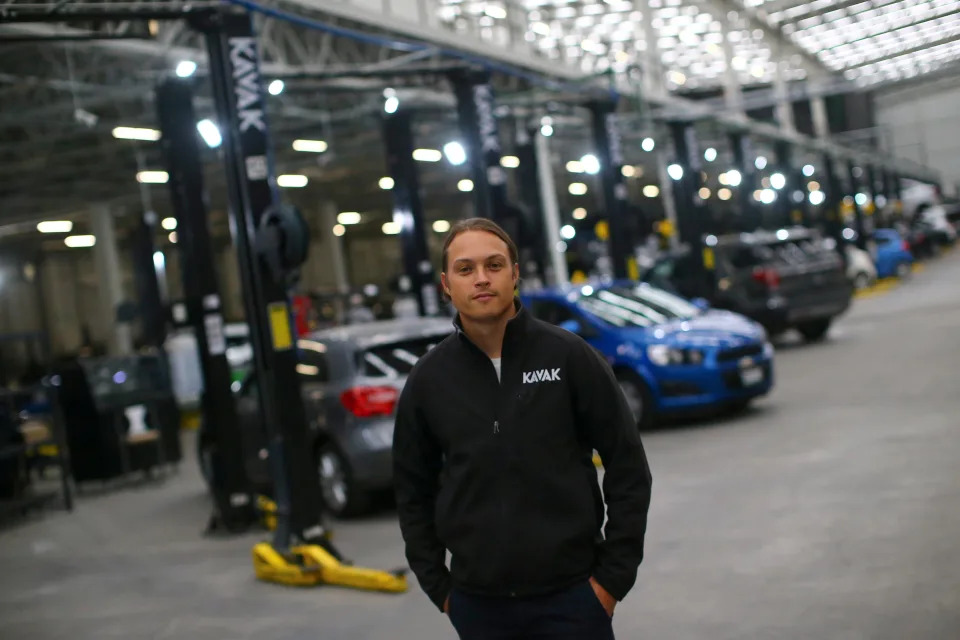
(396, 358)
(640, 306)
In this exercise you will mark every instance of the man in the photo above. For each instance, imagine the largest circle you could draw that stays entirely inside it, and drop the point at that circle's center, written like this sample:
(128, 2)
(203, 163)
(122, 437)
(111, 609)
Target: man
(493, 461)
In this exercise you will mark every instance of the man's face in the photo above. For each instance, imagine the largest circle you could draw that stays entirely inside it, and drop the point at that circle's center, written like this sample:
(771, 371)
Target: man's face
(480, 278)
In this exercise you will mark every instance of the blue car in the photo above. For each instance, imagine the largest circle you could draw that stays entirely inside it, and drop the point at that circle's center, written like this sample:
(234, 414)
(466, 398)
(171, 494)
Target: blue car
(669, 355)
(893, 254)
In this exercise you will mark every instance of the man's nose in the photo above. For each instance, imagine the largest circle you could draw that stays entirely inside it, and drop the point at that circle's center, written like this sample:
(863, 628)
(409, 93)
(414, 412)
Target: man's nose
(482, 277)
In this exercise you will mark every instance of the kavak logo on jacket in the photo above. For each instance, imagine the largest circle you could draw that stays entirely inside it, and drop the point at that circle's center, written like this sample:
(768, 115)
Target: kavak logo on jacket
(541, 375)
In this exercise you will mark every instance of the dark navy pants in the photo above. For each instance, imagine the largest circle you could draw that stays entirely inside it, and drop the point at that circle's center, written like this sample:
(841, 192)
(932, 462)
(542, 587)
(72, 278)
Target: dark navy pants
(572, 614)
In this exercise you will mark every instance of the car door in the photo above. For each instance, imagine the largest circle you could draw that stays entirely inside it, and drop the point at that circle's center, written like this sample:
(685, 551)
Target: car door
(557, 313)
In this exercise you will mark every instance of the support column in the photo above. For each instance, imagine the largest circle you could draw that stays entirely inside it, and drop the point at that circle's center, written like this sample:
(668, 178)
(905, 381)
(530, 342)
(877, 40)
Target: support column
(689, 205)
(57, 280)
(821, 123)
(153, 315)
(531, 243)
(784, 109)
(551, 212)
(408, 210)
(732, 92)
(743, 162)
(606, 140)
(791, 210)
(334, 245)
(833, 197)
(859, 221)
(107, 261)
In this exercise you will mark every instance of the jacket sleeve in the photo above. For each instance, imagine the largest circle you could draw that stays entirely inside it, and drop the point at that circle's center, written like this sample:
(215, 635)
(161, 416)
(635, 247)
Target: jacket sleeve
(608, 425)
(417, 460)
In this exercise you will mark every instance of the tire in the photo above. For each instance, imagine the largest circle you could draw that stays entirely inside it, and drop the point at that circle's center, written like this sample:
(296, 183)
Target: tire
(814, 330)
(340, 494)
(904, 269)
(861, 280)
(638, 398)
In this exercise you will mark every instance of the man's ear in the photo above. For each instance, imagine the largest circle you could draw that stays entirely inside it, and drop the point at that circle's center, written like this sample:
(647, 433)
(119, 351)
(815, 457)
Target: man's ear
(516, 274)
(443, 283)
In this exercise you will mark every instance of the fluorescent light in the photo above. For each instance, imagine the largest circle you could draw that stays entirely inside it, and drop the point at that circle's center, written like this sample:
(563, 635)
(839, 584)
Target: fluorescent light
(579, 213)
(136, 133)
(577, 188)
(782, 234)
(675, 171)
(275, 88)
(590, 164)
(456, 155)
(494, 11)
(210, 133)
(348, 217)
(648, 144)
(575, 166)
(628, 171)
(861, 199)
(310, 146)
(677, 77)
(778, 181)
(339, 230)
(724, 193)
(391, 104)
(510, 162)
(441, 226)
(710, 154)
(704, 193)
(55, 226)
(80, 241)
(152, 177)
(546, 130)
(567, 232)
(734, 178)
(186, 68)
(172, 237)
(427, 155)
(808, 170)
(813, 185)
(169, 223)
(465, 185)
(561, 246)
(292, 180)
(767, 196)
(651, 191)
(760, 162)
(386, 183)
(391, 228)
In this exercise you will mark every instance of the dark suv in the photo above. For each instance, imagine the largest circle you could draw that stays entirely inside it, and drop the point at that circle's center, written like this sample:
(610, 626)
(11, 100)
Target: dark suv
(785, 279)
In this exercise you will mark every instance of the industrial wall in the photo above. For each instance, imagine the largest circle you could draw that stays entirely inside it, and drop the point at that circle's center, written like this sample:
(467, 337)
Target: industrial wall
(920, 121)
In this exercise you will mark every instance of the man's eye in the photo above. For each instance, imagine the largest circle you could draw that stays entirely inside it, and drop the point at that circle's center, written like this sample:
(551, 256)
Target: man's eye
(463, 270)
(496, 265)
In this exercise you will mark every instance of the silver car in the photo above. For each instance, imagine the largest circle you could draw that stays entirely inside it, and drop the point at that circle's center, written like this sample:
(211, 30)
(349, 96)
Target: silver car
(351, 379)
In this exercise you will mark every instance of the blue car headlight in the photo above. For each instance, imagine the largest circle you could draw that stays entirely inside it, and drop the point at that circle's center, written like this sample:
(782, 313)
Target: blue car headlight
(664, 355)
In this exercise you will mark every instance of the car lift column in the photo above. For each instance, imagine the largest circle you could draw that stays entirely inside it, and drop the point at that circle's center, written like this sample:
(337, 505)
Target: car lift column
(743, 163)
(532, 243)
(690, 213)
(833, 196)
(607, 142)
(478, 123)
(153, 311)
(220, 437)
(251, 188)
(790, 208)
(861, 223)
(408, 210)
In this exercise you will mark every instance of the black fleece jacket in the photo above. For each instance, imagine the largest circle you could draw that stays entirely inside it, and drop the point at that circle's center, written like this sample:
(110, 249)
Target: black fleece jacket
(500, 473)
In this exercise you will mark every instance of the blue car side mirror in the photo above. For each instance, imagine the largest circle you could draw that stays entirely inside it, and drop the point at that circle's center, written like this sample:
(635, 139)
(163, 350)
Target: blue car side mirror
(570, 325)
(701, 303)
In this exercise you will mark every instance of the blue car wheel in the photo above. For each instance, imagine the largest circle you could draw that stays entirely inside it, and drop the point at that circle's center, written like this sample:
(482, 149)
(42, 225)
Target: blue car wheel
(638, 397)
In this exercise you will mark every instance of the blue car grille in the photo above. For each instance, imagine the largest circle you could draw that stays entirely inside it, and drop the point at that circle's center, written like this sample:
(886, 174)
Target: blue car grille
(735, 383)
(730, 355)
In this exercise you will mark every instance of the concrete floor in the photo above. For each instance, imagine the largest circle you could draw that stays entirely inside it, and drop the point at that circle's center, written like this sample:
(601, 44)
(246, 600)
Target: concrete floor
(830, 511)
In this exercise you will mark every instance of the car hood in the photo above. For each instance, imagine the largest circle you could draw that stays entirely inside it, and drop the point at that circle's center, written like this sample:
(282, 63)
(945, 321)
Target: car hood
(714, 328)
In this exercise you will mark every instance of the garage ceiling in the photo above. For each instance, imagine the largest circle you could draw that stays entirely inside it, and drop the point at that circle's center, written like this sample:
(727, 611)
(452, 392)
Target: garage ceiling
(61, 100)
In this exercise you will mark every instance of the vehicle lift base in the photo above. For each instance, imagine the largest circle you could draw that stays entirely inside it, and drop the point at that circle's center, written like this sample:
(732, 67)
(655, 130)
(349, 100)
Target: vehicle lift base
(311, 565)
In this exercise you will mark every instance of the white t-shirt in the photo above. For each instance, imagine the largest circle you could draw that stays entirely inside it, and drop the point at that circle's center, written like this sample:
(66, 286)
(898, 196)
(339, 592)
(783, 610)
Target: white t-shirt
(496, 365)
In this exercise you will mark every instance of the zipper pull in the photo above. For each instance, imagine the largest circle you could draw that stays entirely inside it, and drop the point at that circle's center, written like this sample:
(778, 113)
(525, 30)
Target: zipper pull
(496, 426)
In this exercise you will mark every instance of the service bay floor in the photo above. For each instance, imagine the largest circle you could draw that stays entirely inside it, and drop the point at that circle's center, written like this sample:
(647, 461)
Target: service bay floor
(831, 511)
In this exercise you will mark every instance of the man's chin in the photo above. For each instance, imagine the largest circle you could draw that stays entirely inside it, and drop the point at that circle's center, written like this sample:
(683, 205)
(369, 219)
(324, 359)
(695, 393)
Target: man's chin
(492, 309)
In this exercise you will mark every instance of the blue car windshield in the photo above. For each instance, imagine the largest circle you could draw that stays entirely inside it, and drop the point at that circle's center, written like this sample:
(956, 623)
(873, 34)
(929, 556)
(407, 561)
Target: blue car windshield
(640, 306)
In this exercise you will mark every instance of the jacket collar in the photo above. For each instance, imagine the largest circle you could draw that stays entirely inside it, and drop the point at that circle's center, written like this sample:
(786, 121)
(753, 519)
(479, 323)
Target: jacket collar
(516, 327)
